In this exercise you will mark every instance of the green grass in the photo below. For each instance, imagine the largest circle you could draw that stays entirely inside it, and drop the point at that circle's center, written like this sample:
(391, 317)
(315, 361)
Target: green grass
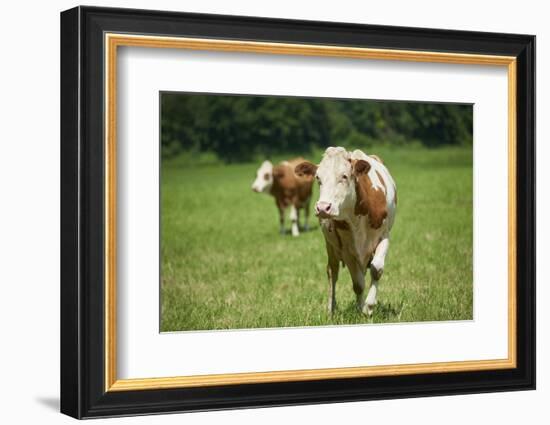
(225, 266)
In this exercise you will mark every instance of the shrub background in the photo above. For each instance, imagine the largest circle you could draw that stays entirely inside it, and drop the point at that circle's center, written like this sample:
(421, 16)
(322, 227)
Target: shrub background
(240, 128)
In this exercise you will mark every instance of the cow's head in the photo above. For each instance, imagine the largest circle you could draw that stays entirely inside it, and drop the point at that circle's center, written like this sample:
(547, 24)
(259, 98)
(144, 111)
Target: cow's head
(264, 178)
(337, 175)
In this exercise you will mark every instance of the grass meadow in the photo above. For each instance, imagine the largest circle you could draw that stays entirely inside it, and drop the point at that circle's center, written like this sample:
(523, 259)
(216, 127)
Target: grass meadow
(224, 264)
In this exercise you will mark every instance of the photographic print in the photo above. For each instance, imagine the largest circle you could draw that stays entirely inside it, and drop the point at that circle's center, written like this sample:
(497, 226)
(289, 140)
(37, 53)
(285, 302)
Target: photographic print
(292, 211)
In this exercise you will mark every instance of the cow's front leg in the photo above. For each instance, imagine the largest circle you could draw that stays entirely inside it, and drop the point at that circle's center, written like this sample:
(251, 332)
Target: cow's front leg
(294, 220)
(358, 279)
(281, 220)
(333, 267)
(376, 270)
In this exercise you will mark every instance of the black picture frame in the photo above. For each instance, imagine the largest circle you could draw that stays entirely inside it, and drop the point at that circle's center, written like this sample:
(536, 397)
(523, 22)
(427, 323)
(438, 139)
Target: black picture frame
(83, 392)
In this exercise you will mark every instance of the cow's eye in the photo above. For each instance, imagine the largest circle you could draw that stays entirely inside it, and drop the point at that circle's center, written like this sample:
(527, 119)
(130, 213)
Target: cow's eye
(266, 176)
(344, 177)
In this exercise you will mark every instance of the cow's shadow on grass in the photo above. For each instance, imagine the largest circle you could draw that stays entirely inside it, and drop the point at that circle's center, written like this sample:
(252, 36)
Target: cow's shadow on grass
(388, 312)
(383, 313)
(288, 232)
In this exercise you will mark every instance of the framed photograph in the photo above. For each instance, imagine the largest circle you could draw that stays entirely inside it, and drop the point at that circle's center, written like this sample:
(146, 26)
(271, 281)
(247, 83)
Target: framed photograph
(261, 212)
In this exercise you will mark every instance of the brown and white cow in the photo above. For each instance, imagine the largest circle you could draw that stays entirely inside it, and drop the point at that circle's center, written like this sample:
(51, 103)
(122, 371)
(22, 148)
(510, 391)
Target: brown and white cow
(356, 209)
(288, 189)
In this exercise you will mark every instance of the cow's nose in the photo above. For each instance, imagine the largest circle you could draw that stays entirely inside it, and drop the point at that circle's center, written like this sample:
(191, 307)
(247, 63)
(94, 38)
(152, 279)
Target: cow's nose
(323, 208)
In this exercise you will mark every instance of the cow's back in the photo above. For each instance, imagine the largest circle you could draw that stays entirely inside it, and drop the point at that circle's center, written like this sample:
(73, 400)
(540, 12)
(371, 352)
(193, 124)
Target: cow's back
(294, 189)
(304, 183)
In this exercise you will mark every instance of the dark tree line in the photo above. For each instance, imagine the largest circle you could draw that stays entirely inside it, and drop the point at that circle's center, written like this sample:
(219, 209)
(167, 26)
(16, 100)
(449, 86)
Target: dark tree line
(237, 128)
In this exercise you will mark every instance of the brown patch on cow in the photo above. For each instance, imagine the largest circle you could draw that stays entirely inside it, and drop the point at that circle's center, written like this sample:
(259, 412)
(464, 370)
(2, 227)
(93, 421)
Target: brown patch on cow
(370, 201)
(279, 171)
(340, 224)
(377, 158)
(289, 188)
(382, 181)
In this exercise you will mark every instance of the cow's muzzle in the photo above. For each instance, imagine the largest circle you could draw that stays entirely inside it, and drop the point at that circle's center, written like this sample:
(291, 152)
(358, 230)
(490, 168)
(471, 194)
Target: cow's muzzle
(323, 209)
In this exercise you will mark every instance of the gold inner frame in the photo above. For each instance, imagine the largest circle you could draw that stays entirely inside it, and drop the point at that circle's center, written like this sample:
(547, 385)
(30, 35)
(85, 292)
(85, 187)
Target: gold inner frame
(113, 41)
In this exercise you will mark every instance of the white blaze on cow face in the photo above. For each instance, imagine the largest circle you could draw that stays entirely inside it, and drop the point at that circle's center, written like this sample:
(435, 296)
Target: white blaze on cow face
(337, 194)
(264, 178)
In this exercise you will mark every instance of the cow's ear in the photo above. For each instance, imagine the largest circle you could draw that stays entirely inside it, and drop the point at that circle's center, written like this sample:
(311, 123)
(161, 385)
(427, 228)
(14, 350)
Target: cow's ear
(305, 168)
(360, 167)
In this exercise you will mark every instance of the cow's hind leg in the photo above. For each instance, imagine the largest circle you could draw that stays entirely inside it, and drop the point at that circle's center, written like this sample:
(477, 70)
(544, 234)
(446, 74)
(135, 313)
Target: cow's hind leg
(281, 220)
(294, 220)
(376, 270)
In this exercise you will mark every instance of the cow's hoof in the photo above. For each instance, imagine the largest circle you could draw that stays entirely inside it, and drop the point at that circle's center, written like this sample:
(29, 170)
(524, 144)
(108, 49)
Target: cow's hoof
(368, 309)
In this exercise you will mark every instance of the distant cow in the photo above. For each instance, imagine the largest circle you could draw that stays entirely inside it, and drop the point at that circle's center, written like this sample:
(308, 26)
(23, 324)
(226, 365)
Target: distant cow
(356, 209)
(288, 190)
